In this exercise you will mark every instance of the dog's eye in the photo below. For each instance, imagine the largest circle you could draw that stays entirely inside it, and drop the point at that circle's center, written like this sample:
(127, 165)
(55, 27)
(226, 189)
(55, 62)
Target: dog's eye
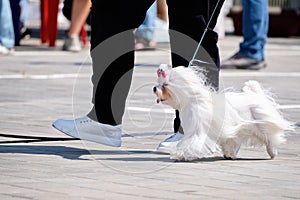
(165, 85)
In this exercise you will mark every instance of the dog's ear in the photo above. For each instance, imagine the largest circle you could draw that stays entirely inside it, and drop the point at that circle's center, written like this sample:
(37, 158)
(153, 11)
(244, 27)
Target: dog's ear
(163, 73)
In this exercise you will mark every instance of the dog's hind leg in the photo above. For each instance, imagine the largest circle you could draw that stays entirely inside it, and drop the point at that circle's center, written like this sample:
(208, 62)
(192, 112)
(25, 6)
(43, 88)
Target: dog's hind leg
(269, 122)
(272, 151)
(230, 149)
(265, 136)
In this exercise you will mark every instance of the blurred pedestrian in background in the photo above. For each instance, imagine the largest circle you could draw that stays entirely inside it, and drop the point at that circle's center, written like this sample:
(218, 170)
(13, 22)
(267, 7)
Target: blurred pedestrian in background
(25, 32)
(255, 29)
(77, 11)
(144, 34)
(15, 10)
(7, 36)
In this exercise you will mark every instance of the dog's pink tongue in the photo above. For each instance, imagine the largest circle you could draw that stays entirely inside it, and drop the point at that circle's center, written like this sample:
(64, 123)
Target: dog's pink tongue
(157, 100)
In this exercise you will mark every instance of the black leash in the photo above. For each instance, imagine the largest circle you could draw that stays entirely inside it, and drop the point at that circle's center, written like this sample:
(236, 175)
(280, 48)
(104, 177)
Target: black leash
(205, 30)
(30, 139)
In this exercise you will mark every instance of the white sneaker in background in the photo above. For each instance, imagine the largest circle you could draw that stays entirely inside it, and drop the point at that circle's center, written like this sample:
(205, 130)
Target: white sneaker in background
(169, 143)
(6, 51)
(72, 43)
(87, 129)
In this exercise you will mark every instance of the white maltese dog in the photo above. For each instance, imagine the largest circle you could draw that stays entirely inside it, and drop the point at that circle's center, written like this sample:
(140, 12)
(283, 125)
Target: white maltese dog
(223, 121)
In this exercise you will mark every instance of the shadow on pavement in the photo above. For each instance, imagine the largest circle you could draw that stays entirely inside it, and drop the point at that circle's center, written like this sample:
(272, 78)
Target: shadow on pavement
(73, 153)
(62, 151)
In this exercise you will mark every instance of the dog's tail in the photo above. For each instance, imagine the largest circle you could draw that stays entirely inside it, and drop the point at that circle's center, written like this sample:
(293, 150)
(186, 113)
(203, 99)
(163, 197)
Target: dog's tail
(266, 113)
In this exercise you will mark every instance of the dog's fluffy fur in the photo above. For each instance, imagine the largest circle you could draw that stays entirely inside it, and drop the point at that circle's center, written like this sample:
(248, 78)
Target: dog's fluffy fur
(224, 121)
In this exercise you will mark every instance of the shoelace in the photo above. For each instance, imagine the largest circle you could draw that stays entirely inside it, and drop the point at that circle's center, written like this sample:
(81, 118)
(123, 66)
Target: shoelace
(85, 121)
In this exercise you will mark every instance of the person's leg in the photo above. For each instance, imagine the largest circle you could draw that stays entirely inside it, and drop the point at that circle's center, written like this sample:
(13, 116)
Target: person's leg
(24, 12)
(191, 20)
(112, 53)
(16, 20)
(255, 28)
(109, 18)
(80, 11)
(145, 32)
(162, 10)
(187, 24)
(25, 32)
(7, 38)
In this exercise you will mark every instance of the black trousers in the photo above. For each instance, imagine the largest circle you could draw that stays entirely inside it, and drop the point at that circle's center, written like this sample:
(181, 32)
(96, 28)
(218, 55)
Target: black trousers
(112, 47)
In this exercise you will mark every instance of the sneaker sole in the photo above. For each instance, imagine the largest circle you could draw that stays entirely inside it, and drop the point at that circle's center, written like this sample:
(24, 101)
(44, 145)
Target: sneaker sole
(163, 151)
(94, 138)
(253, 67)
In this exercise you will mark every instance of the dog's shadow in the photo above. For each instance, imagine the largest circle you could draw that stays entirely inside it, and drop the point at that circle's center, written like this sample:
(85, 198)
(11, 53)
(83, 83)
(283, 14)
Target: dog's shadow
(73, 153)
(221, 158)
(166, 158)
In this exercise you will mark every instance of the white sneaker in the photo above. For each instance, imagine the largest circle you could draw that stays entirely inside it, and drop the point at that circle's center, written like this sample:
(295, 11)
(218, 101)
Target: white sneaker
(6, 51)
(72, 43)
(87, 129)
(169, 143)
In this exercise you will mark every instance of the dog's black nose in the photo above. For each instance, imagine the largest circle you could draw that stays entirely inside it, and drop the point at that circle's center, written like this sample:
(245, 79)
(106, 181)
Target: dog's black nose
(154, 89)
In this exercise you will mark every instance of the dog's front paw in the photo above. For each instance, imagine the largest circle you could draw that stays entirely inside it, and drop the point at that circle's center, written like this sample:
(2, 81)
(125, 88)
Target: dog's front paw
(177, 158)
(227, 157)
(180, 158)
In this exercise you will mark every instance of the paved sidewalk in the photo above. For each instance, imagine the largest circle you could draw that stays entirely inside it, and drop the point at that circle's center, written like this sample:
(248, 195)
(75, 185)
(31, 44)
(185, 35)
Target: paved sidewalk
(39, 85)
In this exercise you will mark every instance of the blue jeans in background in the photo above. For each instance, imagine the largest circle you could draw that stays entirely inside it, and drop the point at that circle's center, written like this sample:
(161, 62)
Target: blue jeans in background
(147, 28)
(255, 28)
(7, 37)
(24, 5)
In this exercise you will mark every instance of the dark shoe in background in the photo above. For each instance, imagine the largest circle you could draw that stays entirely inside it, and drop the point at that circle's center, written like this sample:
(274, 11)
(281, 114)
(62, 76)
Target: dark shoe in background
(240, 61)
(25, 33)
